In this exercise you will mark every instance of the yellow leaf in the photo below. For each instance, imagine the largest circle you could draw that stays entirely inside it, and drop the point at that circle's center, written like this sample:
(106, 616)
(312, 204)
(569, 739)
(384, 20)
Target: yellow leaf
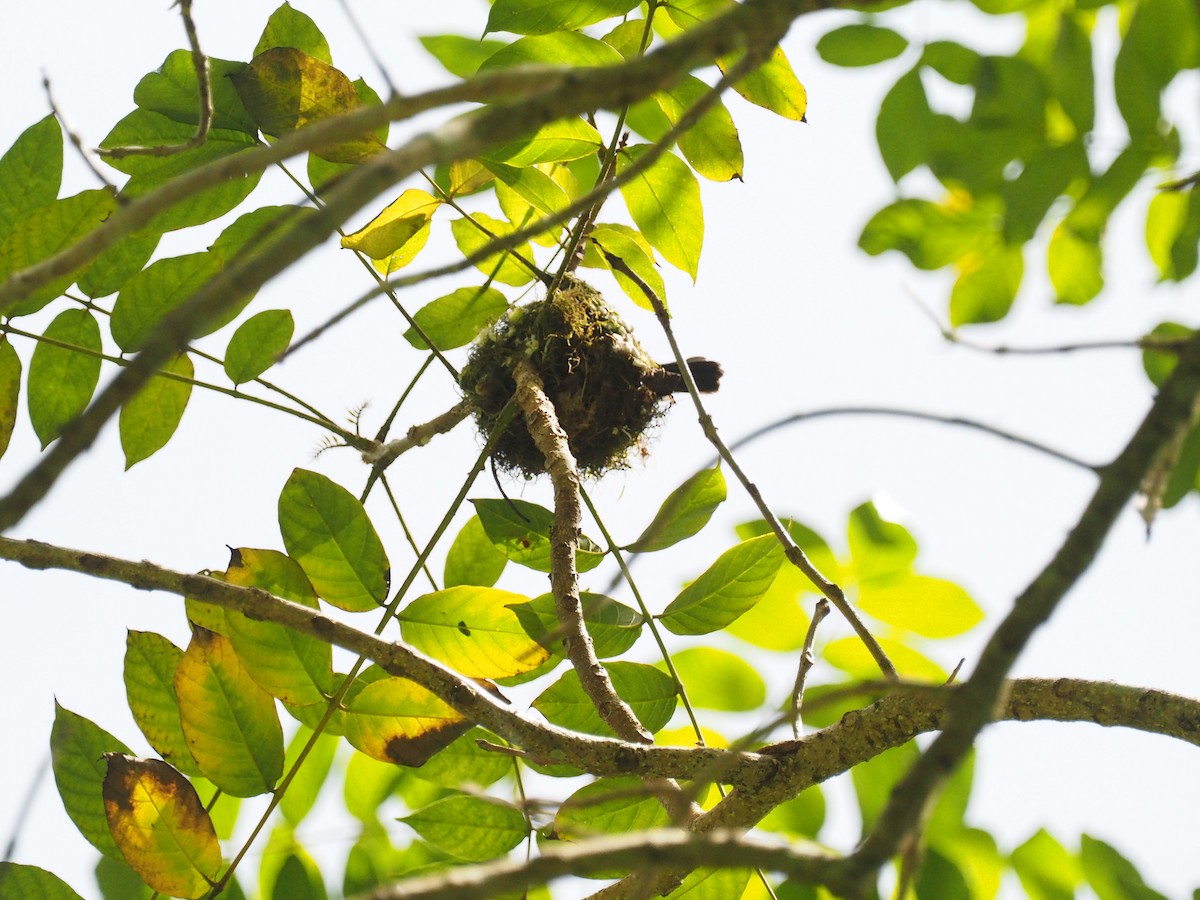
(398, 233)
(395, 720)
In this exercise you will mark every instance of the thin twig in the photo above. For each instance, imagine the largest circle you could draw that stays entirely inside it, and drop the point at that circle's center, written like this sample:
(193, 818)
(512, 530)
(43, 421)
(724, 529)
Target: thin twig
(365, 39)
(86, 154)
(205, 103)
(806, 662)
(959, 421)
(380, 456)
(795, 555)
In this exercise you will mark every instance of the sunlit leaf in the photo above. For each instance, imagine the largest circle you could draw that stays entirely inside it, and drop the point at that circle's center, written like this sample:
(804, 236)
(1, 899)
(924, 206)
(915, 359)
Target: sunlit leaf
(618, 805)
(161, 826)
(686, 510)
(399, 232)
(778, 621)
(879, 548)
(471, 828)
(473, 558)
(630, 247)
(30, 172)
(77, 748)
(457, 318)
(613, 627)
(729, 587)
(1110, 874)
(150, 417)
(62, 380)
(395, 720)
(474, 234)
(297, 668)
(931, 607)
(801, 816)
(711, 884)
(326, 530)
(849, 655)
(230, 722)
(1046, 869)
(773, 86)
(257, 344)
(559, 141)
(464, 763)
(521, 531)
(111, 269)
(546, 16)
(459, 55)
(712, 145)
(288, 27)
(472, 630)
(32, 883)
(717, 679)
(664, 202)
(931, 235)
(562, 48)
(149, 672)
(1075, 265)
(285, 89)
(860, 44)
(10, 391)
(649, 692)
(986, 286)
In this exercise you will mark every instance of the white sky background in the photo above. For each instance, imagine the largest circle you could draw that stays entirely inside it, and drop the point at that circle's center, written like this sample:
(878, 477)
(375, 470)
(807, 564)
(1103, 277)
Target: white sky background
(799, 318)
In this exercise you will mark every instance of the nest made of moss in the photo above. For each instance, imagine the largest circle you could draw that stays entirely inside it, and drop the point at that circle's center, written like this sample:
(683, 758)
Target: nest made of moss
(593, 370)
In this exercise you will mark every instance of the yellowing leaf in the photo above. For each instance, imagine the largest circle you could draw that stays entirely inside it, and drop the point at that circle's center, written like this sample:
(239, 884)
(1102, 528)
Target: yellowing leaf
(399, 232)
(773, 86)
(931, 607)
(1075, 266)
(395, 720)
(159, 823)
(285, 89)
(664, 202)
(473, 630)
(230, 722)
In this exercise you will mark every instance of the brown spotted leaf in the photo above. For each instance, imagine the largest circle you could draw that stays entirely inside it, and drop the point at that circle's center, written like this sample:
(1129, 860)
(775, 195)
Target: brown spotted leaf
(160, 825)
(395, 720)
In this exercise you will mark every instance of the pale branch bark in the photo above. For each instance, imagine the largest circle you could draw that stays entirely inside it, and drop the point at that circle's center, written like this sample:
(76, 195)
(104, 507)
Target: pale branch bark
(561, 93)
(205, 103)
(380, 456)
(792, 551)
(896, 412)
(820, 611)
(523, 99)
(777, 771)
(974, 703)
(719, 850)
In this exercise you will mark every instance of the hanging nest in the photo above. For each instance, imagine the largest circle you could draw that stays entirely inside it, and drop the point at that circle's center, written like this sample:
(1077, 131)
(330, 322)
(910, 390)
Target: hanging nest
(594, 371)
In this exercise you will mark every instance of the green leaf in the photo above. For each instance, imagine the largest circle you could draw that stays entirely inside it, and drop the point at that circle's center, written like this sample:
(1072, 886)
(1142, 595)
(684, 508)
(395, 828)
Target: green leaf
(717, 679)
(174, 92)
(801, 816)
(150, 664)
(111, 269)
(538, 189)
(773, 86)
(1159, 364)
(615, 805)
(160, 288)
(10, 391)
(257, 344)
(931, 235)
(1044, 178)
(521, 531)
(296, 668)
(1111, 875)
(150, 417)
(849, 655)
(902, 128)
(629, 246)
(860, 45)
(288, 27)
(474, 234)
(930, 607)
(686, 510)
(77, 748)
(457, 318)
(563, 48)
(465, 764)
(1075, 265)
(879, 548)
(649, 693)
(546, 16)
(473, 558)
(326, 530)
(32, 883)
(1161, 40)
(30, 173)
(473, 630)
(875, 778)
(729, 587)
(664, 202)
(230, 722)
(712, 145)
(470, 828)
(1046, 869)
(1071, 73)
(987, 285)
(301, 795)
(62, 380)
(119, 882)
(560, 141)
(712, 884)
(613, 627)
(460, 56)
(44, 232)
(941, 878)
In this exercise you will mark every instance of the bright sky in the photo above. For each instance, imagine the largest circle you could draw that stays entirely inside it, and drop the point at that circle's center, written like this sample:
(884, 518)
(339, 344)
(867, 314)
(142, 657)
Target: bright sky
(799, 318)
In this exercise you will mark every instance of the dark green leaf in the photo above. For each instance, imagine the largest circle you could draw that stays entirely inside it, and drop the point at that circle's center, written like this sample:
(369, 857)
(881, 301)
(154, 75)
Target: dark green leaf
(111, 269)
(686, 510)
(940, 879)
(77, 748)
(613, 627)
(1071, 75)
(521, 531)
(563, 48)
(954, 62)
(288, 27)
(30, 172)
(157, 290)
(62, 380)
(174, 92)
(1110, 874)
(1159, 364)
(860, 45)
(257, 344)
(902, 127)
(1044, 178)
(1161, 40)
(21, 882)
(457, 318)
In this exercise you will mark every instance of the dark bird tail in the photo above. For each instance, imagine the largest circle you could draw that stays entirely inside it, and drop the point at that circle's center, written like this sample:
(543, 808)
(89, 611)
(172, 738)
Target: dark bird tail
(667, 379)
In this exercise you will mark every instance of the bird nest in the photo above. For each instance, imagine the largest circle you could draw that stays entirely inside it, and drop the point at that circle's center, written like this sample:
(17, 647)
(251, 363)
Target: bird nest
(593, 370)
